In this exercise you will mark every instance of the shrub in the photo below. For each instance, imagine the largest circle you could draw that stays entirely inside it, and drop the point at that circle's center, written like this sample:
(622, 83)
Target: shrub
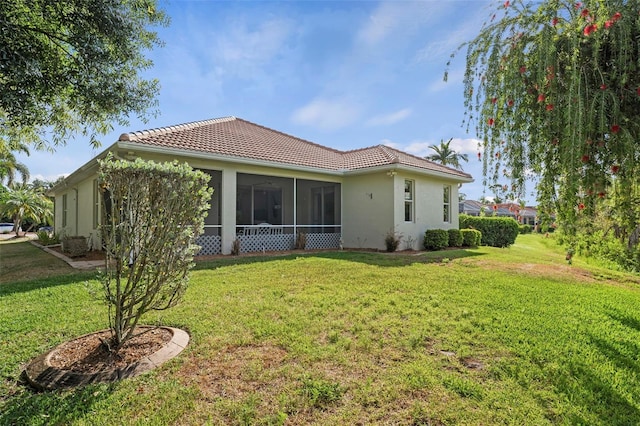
(496, 231)
(153, 214)
(301, 241)
(392, 240)
(47, 238)
(525, 229)
(455, 238)
(75, 246)
(436, 239)
(471, 237)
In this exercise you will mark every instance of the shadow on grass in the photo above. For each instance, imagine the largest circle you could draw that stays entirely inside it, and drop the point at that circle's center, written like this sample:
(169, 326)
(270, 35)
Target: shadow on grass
(37, 284)
(369, 257)
(55, 407)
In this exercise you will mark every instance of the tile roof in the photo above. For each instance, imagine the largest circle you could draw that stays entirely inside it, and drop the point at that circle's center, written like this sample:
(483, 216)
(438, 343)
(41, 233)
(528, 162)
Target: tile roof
(235, 137)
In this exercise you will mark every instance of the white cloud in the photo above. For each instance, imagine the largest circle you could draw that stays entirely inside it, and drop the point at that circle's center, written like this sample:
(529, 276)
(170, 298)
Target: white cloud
(391, 144)
(388, 119)
(465, 146)
(391, 17)
(245, 47)
(421, 147)
(327, 114)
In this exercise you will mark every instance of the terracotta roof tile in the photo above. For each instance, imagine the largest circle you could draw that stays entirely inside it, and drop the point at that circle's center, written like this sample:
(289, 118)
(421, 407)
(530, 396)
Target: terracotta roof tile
(235, 137)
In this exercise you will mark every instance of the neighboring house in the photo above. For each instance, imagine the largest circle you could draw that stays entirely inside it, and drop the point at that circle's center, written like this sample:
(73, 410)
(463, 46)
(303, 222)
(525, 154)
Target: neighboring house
(527, 215)
(269, 187)
(473, 208)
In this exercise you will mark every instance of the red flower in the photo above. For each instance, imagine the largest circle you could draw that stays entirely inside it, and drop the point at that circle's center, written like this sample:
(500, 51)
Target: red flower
(580, 206)
(523, 69)
(615, 169)
(584, 13)
(510, 101)
(549, 107)
(578, 5)
(615, 129)
(506, 4)
(602, 194)
(608, 24)
(616, 16)
(494, 100)
(495, 207)
(541, 98)
(603, 87)
(490, 121)
(585, 158)
(554, 21)
(638, 91)
(589, 29)
(479, 156)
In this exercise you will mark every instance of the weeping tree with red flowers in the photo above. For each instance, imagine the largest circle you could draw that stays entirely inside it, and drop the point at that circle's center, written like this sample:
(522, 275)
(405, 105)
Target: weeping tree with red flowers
(553, 88)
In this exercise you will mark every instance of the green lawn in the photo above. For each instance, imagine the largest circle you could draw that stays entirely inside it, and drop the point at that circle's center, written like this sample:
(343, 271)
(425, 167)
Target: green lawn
(483, 336)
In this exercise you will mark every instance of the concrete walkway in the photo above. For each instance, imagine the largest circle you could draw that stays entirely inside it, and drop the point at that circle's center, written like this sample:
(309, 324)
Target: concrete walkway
(74, 263)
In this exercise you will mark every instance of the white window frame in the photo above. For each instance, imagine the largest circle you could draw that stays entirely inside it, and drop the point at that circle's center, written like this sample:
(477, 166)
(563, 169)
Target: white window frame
(446, 204)
(409, 200)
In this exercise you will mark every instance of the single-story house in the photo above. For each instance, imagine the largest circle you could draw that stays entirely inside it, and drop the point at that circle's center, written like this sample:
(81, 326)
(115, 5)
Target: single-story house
(270, 187)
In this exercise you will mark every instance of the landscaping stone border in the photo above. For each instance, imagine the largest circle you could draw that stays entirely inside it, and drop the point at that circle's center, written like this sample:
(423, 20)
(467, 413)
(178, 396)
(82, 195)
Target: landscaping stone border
(43, 376)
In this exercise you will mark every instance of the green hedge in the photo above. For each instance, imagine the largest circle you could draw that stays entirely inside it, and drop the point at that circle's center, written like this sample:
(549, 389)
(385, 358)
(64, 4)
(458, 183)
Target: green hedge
(471, 237)
(496, 231)
(455, 238)
(525, 229)
(436, 239)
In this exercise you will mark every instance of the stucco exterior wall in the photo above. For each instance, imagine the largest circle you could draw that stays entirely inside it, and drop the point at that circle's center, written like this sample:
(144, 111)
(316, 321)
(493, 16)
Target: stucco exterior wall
(428, 208)
(367, 210)
(79, 211)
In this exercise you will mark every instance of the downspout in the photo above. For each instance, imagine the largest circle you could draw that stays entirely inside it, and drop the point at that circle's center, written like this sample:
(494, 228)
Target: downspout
(77, 211)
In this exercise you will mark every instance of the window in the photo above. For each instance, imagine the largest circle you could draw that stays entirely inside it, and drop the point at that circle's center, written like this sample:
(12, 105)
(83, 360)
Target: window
(96, 204)
(64, 210)
(446, 201)
(408, 200)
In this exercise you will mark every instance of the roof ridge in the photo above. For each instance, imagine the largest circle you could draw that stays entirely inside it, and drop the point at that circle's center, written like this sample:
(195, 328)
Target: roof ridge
(132, 136)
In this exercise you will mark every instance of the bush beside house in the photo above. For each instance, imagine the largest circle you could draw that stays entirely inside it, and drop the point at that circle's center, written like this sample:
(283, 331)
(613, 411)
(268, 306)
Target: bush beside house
(471, 237)
(436, 239)
(455, 238)
(496, 231)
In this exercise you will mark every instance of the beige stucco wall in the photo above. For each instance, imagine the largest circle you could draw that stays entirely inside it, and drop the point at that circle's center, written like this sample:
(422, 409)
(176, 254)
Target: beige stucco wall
(372, 204)
(368, 210)
(428, 209)
(79, 211)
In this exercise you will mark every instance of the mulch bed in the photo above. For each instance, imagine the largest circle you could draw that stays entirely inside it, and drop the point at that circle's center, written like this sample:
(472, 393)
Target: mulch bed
(88, 354)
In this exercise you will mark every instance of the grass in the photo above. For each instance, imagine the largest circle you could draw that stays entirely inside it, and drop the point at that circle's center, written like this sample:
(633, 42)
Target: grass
(484, 336)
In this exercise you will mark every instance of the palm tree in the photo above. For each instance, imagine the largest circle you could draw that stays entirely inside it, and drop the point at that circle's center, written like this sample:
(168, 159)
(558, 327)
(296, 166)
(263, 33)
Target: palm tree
(21, 202)
(9, 165)
(447, 156)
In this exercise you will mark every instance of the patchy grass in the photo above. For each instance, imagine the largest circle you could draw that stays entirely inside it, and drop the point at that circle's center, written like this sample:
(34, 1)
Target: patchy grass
(21, 261)
(485, 336)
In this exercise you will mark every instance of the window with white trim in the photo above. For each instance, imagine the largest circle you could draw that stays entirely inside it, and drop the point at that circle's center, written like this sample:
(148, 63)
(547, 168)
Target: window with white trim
(408, 200)
(446, 204)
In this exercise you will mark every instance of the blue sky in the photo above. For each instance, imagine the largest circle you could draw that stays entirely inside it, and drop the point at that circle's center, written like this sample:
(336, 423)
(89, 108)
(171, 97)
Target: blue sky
(344, 74)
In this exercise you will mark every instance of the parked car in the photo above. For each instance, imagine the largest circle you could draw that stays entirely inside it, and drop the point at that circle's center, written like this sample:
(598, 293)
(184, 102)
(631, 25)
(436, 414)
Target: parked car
(5, 228)
(48, 229)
